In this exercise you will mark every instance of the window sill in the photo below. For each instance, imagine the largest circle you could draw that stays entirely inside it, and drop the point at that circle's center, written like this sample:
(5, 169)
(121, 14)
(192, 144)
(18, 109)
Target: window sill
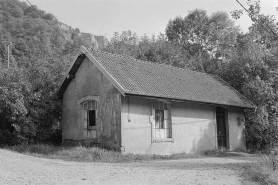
(92, 128)
(160, 140)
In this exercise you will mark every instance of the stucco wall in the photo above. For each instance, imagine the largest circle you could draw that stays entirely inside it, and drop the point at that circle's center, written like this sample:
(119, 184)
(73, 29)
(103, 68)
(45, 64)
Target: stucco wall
(89, 81)
(236, 130)
(193, 129)
(136, 128)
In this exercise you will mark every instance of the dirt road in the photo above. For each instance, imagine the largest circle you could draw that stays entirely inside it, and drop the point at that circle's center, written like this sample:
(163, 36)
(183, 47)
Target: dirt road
(22, 169)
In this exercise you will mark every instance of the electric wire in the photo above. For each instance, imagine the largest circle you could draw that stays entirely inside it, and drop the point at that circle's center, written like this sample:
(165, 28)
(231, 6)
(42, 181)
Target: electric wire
(33, 20)
(262, 21)
(74, 53)
(272, 32)
(48, 22)
(39, 24)
(250, 14)
(268, 26)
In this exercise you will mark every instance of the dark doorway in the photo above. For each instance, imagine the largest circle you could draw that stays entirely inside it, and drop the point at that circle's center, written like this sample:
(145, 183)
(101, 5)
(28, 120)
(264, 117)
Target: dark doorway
(221, 128)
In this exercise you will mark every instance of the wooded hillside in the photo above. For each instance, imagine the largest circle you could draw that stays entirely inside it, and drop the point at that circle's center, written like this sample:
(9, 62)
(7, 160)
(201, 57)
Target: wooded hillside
(39, 56)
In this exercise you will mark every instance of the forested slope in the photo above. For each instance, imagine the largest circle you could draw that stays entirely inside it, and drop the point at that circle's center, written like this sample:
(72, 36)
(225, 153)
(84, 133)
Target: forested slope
(29, 109)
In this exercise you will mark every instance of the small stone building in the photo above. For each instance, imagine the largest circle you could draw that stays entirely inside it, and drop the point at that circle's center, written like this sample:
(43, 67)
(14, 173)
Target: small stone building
(142, 107)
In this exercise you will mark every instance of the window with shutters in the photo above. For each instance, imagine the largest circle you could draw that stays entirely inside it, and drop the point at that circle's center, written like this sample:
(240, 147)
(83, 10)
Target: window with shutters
(90, 113)
(162, 127)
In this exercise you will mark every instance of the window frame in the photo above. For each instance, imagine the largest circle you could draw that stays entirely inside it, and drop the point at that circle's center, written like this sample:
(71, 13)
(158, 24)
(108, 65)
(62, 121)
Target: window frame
(166, 126)
(90, 105)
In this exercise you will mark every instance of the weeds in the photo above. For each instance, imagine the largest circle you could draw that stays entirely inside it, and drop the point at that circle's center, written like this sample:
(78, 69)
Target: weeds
(79, 153)
(266, 172)
(35, 148)
(93, 154)
(270, 162)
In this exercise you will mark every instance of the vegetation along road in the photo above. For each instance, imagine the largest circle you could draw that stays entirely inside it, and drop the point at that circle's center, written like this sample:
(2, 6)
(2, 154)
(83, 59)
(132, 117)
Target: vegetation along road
(23, 169)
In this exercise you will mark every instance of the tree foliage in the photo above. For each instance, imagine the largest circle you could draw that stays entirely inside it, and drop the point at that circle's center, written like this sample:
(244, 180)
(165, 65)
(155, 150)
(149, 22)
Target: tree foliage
(39, 57)
(205, 40)
(253, 71)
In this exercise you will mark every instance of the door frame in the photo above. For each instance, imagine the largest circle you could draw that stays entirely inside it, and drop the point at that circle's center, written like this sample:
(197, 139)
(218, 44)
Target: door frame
(226, 128)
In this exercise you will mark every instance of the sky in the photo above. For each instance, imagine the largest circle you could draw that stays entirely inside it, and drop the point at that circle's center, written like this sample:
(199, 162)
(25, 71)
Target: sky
(104, 17)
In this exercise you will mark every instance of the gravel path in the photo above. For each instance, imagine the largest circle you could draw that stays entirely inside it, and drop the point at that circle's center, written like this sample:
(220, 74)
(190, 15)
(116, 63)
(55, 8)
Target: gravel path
(22, 169)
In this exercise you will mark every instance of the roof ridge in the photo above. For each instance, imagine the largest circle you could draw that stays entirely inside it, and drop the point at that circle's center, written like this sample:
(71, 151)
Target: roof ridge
(152, 63)
(114, 54)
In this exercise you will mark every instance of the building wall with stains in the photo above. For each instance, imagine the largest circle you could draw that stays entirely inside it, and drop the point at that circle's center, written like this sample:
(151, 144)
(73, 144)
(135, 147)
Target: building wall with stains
(236, 128)
(193, 128)
(90, 84)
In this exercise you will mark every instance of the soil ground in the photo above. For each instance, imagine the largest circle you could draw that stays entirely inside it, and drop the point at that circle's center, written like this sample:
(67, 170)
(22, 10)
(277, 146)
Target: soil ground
(17, 168)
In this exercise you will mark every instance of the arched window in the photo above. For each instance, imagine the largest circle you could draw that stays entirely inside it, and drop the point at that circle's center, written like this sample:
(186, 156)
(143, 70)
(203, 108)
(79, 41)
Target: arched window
(90, 113)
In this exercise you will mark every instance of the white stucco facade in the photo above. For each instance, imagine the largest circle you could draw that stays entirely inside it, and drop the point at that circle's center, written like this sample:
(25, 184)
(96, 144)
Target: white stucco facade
(194, 127)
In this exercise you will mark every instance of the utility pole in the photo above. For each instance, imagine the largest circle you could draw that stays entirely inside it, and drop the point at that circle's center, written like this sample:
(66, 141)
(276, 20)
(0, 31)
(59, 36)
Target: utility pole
(9, 43)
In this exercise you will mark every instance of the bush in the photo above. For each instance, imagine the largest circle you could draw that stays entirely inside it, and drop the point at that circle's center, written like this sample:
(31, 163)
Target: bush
(261, 137)
(35, 148)
(55, 136)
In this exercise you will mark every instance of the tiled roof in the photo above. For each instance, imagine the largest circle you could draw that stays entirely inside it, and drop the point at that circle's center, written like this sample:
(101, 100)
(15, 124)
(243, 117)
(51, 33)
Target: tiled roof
(152, 79)
(139, 77)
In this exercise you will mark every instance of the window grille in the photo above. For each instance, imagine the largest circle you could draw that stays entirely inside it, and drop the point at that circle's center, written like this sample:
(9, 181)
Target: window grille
(90, 114)
(162, 120)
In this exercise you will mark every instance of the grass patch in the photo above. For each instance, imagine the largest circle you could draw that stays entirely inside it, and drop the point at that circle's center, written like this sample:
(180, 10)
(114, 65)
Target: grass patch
(219, 153)
(264, 172)
(84, 154)
(35, 148)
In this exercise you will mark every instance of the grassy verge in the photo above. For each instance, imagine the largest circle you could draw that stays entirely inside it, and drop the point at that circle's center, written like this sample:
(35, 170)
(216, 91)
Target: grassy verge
(264, 172)
(84, 154)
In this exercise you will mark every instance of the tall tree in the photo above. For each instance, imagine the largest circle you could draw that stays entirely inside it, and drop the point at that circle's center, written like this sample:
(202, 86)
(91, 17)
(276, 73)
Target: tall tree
(205, 39)
(253, 71)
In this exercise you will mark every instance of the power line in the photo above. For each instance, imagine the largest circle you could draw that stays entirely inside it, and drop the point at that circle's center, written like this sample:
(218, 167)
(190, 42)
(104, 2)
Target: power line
(268, 26)
(53, 29)
(48, 22)
(261, 19)
(30, 19)
(39, 24)
(251, 15)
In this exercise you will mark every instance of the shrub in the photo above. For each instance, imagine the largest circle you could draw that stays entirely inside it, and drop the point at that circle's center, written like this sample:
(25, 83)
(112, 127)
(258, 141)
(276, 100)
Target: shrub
(35, 148)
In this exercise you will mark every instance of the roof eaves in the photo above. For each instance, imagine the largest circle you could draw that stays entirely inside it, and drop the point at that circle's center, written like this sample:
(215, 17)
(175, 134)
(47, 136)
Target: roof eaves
(251, 103)
(103, 70)
(67, 73)
(188, 100)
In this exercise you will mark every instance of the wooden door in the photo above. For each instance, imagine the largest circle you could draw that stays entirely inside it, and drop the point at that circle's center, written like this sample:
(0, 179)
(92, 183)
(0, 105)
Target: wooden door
(221, 128)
